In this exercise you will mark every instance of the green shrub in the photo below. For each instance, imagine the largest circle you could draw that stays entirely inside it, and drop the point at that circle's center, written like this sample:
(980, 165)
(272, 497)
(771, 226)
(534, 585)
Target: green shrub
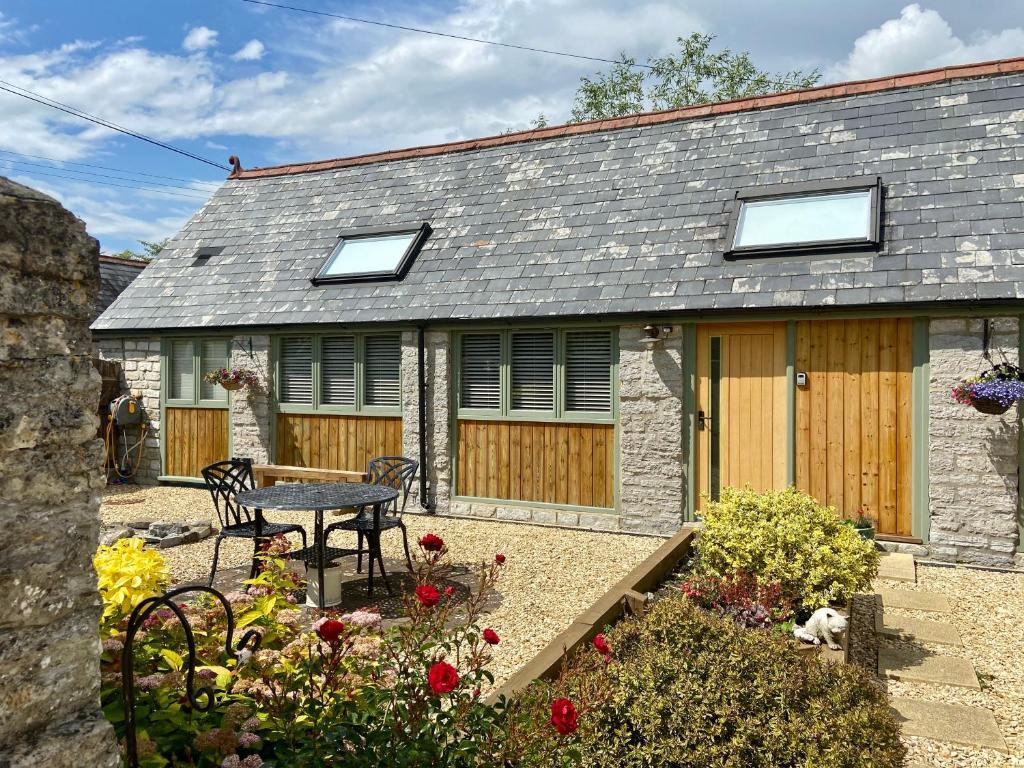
(689, 689)
(788, 538)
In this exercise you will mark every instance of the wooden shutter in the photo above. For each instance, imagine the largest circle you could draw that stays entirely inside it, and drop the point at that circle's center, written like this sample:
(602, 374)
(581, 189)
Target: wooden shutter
(213, 354)
(181, 379)
(383, 370)
(338, 370)
(533, 371)
(588, 364)
(480, 371)
(296, 367)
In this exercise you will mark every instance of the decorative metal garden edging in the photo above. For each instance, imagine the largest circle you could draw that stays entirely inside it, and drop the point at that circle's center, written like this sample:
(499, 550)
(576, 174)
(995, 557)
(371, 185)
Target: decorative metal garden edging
(139, 615)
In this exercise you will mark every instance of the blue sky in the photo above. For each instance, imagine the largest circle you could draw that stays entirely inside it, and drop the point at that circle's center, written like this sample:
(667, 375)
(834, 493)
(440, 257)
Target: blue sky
(224, 77)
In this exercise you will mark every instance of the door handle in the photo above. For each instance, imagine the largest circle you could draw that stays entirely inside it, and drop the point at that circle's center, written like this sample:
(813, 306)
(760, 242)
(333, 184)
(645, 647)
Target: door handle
(703, 421)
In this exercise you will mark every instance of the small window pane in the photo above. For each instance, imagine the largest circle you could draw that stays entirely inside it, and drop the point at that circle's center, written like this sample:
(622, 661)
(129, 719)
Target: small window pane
(806, 219)
(213, 354)
(297, 370)
(383, 370)
(533, 371)
(480, 375)
(338, 370)
(181, 381)
(588, 365)
(368, 255)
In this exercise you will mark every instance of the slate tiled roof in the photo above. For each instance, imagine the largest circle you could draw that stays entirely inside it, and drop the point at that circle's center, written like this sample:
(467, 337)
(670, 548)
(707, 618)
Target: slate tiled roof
(115, 275)
(623, 220)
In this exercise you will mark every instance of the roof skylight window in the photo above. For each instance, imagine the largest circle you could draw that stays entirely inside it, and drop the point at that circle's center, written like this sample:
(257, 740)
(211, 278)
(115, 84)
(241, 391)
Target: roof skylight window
(806, 217)
(378, 254)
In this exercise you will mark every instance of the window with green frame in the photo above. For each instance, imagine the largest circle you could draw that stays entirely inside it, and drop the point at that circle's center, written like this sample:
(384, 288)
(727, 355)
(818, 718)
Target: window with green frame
(536, 374)
(186, 362)
(340, 373)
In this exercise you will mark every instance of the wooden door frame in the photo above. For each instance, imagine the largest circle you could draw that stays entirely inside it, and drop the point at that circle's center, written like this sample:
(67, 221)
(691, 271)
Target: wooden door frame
(782, 396)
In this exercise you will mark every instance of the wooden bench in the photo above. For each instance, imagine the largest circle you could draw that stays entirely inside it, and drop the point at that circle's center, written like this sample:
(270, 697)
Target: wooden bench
(270, 474)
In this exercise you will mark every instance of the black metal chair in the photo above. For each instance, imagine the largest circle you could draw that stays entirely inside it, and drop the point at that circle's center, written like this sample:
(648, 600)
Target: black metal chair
(399, 473)
(224, 480)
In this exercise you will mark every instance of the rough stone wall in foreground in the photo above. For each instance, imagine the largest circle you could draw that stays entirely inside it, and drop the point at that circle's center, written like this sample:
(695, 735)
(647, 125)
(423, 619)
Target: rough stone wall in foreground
(50, 482)
(437, 362)
(972, 457)
(250, 415)
(140, 366)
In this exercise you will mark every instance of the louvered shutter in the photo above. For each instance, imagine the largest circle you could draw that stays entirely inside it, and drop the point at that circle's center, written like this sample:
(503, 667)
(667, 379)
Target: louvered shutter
(533, 371)
(213, 354)
(181, 381)
(338, 370)
(588, 362)
(480, 371)
(296, 366)
(383, 368)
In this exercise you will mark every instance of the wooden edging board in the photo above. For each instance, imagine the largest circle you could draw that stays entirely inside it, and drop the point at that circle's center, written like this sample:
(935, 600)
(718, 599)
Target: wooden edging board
(645, 576)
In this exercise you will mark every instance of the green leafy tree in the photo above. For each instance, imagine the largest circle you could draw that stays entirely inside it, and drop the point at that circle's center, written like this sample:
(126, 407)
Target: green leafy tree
(149, 250)
(695, 75)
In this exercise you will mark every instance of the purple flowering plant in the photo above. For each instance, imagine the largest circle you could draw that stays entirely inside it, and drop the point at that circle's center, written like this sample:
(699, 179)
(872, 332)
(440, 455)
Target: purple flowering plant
(1002, 385)
(234, 378)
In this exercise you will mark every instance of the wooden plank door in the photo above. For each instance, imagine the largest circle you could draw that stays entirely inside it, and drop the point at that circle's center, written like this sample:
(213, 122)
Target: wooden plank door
(741, 407)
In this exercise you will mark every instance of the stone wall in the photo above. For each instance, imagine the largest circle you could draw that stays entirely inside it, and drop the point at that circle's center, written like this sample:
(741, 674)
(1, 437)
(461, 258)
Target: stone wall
(140, 366)
(251, 427)
(972, 457)
(437, 361)
(50, 482)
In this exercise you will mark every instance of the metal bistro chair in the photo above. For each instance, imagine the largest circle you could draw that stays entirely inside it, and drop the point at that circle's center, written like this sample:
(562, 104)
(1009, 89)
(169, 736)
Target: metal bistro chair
(399, 473)
(224, 480)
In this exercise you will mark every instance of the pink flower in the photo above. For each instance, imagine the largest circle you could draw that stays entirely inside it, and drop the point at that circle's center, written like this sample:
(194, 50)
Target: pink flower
(449, 590)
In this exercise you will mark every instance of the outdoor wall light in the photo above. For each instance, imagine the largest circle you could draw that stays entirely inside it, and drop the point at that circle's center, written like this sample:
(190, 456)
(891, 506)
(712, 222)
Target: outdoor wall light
(652, 335)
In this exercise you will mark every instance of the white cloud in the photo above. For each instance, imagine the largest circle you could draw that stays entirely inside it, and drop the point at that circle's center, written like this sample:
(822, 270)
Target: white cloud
(199, 39)
(920, 39)
(251, 51)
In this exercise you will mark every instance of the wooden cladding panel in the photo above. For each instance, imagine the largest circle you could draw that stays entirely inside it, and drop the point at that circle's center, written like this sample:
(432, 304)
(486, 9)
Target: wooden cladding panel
(553, 463)
(853, 419)
(330, 441)
(194, 438)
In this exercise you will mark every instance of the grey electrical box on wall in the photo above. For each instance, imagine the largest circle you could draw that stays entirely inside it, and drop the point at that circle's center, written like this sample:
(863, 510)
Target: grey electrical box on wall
(801, 379)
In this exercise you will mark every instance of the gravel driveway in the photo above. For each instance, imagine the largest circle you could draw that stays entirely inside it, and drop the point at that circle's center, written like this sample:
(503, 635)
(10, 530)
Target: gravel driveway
(550, 577)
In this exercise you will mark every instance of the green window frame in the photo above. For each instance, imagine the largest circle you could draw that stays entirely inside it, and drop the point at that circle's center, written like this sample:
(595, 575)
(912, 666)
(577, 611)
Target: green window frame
(184, 362)
(537, 374)
(341, 372)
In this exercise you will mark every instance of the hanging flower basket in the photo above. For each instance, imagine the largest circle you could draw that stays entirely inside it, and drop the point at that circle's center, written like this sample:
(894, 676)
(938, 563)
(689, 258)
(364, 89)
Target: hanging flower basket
(233, 379)
(992, 392)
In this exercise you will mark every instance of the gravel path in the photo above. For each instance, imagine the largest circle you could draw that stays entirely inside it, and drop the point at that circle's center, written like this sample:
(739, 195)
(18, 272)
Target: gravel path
(550, 577)
(987, 607)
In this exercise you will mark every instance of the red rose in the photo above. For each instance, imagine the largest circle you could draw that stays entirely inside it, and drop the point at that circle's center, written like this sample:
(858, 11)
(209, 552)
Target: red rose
(442, 677)
(432, 543)
(331, 630)
(449, 590)
(563, 716)
(491, 637)
(427, 595)
(499, 559)
(602, 645)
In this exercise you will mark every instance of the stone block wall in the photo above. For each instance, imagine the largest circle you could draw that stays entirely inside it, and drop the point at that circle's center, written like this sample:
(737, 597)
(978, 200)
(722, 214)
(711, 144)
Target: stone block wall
(972, 457)
(50, 481)
(250, 413)
(437, 362)
(140, 366)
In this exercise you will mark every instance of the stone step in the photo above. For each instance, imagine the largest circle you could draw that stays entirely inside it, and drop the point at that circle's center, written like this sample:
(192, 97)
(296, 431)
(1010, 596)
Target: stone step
(919, 666)
(906, 628)
(897, 566)
(971, 726)
(914, 600)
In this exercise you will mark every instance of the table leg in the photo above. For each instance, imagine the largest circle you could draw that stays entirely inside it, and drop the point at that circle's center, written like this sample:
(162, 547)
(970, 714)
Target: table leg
(318, 533)
(375, 552)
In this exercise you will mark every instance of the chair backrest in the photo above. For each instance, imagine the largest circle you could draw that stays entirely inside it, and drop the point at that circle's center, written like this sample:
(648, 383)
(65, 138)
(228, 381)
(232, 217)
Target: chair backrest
(225, 480)
(397, 472)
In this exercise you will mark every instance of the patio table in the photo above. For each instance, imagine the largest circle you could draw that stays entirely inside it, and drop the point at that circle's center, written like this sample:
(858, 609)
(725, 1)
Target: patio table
(317, 498)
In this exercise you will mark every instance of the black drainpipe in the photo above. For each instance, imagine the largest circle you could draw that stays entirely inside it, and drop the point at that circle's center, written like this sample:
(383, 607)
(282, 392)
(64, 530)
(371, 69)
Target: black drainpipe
(425, 502)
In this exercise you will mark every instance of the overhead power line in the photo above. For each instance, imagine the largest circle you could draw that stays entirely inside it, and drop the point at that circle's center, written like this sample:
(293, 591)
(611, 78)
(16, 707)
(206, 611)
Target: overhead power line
(13, 161)
(449, 35)
(25, 93)
(62, 163)
(155, 190)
